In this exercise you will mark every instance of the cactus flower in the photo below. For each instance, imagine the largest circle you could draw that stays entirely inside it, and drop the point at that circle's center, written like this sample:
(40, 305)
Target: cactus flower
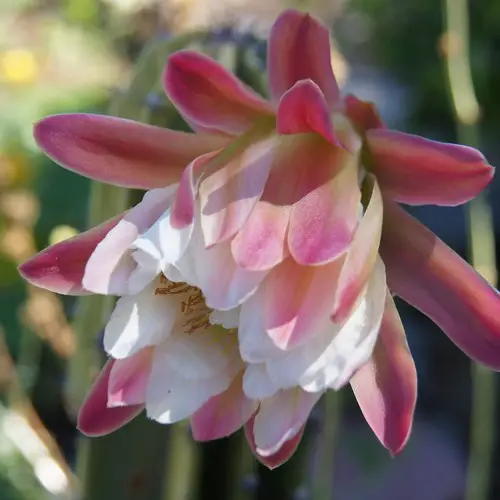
(259, 269)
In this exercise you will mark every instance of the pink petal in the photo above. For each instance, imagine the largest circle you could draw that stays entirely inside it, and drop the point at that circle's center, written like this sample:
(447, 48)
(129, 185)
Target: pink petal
(361, 256)
(184, 204)
(386, 386)
(280, 418)
(417, 171)
(211, 97)
(110, 266)
(325, 216)
(363, 115)
(60, 267)
(223, 414)
(429, 275)
(281, 456)
(129, 378)
(297, 300)
(299, 49)
(261, 242)
(225, 284)
(118, 151)
(229, 194)
(95, 417)
(303, 109)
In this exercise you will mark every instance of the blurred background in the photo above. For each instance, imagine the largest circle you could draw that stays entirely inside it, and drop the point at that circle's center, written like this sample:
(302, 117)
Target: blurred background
(76, 55)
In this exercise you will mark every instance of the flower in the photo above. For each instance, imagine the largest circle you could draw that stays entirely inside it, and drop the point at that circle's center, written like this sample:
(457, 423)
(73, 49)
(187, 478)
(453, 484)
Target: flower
(276, 229)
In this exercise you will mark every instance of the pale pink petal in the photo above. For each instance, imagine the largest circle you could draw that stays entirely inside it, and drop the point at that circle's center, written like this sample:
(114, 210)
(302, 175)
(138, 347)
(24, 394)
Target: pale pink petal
(121, 152)
(299, 49)
(297, 300)
(60, 267)
(129, 379)
(223, 414)
(361, 256)
(280, 418)
(281, 456)
(386, 386)
(325, 216)
(363, 115)
(225, 284)
(211, 97)
(228, 194)
(184, 203)
(429, 275)
(261, 242)
(303, 109)
(95, 417)
(417, 171)
(111, 265)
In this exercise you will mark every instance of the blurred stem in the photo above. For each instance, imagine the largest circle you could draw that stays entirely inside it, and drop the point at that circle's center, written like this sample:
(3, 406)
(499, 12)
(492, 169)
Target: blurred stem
(182, 464)
(225, 465)
(481, 241)
(323, 485)
(127, 465)
(288, 481)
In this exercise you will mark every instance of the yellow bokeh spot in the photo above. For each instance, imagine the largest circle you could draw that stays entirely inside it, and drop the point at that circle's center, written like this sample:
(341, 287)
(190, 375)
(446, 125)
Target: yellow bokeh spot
(61, 233)
(18, 66)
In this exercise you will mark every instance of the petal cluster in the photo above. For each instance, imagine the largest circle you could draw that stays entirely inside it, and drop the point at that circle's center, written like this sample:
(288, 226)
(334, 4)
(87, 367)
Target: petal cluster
(259, 269)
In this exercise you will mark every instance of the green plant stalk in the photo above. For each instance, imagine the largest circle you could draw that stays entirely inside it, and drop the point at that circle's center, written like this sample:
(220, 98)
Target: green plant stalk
(128, 464)
(325, 460)
(481, 243)
(287, 481)
(224, 466)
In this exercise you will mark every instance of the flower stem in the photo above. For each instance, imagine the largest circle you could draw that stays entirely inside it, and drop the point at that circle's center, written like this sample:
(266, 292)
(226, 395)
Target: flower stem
(481, 241)
(325, 459)
(128, 464)
(182, 464)
(292, 480)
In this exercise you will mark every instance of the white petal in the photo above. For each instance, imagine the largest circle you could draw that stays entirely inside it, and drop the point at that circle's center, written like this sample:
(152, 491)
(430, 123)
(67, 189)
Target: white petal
(110, 266)
(280, 418)
(201, 355)
(138, 321)
(162, 242)
(255, 344)
(171, 398)
(227, 319)
(256, 382)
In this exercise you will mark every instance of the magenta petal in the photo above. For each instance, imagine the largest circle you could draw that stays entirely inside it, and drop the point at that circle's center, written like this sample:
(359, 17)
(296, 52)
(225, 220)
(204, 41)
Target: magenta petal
(95, 417)
(211, 97)
(416, 171)
(386, 386)
(430, 276)
(121, 152)
(223, 414)
(303, 109)
(299, 49)
(363, 115)
(278, 458)
(60, 267)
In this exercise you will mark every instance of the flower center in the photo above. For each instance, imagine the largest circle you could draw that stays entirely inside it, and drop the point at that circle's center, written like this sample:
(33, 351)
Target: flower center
(192, 308)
